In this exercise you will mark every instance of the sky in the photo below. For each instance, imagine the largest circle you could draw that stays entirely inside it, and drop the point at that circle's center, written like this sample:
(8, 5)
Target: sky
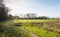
(49, 8)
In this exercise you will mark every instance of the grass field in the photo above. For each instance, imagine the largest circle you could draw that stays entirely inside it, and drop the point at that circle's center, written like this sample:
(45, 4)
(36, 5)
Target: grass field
(41, 32)
(42, 28)
(31, 20)
(8, 30)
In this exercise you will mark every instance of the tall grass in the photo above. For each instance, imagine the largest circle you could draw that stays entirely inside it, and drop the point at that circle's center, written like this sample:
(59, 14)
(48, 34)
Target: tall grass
(7, 29)
(41, 32)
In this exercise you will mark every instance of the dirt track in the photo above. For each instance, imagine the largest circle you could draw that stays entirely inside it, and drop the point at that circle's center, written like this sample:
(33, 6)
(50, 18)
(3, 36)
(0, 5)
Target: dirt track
(32, 34)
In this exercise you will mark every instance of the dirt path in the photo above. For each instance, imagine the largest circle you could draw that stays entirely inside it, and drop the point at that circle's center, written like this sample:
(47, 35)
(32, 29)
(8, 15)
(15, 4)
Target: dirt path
(32, 34)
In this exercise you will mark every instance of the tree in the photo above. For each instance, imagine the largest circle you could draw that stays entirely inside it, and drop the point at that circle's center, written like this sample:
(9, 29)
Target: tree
(3, 11)
(10, 17)
(43, 17)
(31, 15)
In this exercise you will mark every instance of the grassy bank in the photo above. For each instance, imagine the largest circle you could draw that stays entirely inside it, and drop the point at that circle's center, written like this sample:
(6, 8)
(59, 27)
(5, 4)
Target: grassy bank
(42, 28)
(7, 29)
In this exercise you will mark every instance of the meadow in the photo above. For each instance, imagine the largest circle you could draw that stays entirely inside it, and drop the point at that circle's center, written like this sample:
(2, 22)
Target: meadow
(22, 27)
(7, 29)
(42, 28)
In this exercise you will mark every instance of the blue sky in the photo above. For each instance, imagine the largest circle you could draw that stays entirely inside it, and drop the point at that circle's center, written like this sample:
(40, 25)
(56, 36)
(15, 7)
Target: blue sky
(50, 8)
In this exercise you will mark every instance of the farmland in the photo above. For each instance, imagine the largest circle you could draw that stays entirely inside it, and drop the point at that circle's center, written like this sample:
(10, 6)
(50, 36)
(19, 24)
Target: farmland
(47, 24)
(30, 28)
(42, 28)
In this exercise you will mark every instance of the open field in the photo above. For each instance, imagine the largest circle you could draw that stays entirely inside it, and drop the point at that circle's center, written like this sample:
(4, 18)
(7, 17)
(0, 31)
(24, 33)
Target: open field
(30, 28)
(42, 32)
(47, 24)
(42, 28)
(32, 20)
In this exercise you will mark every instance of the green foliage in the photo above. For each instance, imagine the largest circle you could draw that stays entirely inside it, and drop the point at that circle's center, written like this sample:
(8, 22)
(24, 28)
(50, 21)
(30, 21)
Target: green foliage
(8, 30)
(43, 17)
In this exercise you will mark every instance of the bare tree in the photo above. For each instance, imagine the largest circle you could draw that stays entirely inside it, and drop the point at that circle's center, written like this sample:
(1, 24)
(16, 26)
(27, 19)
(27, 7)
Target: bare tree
(31, 15)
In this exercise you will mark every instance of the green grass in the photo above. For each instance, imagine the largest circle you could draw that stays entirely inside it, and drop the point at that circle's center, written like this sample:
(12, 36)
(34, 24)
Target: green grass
(49, 25)
(41, 32)
(7, 29)
(29, 20)
(34, 29)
